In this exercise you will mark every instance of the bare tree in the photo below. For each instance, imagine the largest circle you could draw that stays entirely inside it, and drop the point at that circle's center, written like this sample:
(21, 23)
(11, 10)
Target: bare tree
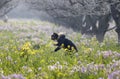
(6, 6)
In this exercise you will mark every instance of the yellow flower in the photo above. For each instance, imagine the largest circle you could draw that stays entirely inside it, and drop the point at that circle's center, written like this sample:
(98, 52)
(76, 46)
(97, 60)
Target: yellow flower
(32, 52)
(88, 50)
(62, 45)
(26, 49)
(68, 46)
(72, 48)
(66, 49)
(26, 46)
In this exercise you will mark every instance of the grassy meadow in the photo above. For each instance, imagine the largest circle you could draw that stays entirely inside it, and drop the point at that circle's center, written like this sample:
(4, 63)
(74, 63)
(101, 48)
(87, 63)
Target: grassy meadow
(26, 52)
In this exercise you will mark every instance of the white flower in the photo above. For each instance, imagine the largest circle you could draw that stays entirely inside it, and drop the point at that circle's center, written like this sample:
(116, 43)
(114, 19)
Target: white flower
(40, 68)
(52, 67)
(29, 70)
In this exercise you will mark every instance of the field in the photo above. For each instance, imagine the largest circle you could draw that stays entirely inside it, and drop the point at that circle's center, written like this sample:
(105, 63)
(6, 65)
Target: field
(26, 52)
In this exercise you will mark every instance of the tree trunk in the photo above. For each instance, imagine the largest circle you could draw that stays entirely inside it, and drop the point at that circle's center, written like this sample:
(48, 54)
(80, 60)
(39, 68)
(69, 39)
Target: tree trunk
(116, 16)
(102, 27)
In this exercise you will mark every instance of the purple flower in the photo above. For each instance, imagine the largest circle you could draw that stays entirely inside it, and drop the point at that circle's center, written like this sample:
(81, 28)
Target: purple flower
(110, 76)
(17, 76)
(114, 75)
(83, 70)
(107, 54)
(13, 76)
(4, 77)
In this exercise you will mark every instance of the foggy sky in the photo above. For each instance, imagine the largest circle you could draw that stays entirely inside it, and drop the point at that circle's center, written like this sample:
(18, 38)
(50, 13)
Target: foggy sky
(23, 11)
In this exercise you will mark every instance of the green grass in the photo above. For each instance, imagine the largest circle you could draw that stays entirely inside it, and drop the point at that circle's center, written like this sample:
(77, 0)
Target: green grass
(90, 62)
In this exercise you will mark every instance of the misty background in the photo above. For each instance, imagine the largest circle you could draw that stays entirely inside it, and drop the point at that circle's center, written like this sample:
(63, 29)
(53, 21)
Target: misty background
(90, 17)
(23, 11)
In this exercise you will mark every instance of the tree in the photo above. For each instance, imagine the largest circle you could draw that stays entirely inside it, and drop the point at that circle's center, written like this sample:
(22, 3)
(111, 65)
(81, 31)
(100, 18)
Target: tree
(6, 6)
(115, 12)
(82, 15)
